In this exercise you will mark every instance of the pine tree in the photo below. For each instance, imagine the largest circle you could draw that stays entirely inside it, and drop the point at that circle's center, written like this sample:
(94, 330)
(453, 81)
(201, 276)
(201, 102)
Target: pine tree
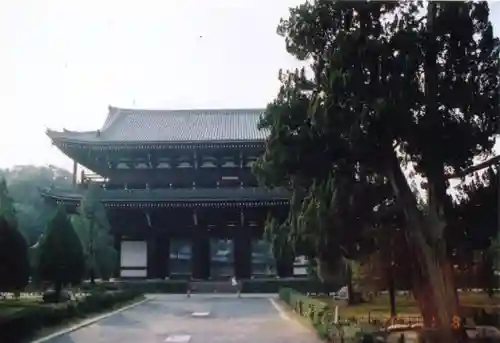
(61, 259)
(387, 88)
(94, 229)
(7, 209)
(14, 261)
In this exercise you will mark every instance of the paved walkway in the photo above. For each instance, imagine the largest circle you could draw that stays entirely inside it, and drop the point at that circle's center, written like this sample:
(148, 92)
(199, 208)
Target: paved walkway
(199, 319)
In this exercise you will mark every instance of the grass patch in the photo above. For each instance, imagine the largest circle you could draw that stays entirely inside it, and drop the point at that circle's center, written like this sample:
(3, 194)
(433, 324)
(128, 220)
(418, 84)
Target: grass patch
(406, 304)
(10, 306)
(9, 310)
(27, 318)
(45, 331)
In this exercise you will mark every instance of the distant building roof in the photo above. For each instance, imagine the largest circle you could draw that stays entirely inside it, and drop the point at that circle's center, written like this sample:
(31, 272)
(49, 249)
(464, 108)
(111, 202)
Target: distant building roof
(176, 126)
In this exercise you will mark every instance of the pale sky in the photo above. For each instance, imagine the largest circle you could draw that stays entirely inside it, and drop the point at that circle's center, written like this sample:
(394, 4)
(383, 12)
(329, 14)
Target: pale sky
(64, 61)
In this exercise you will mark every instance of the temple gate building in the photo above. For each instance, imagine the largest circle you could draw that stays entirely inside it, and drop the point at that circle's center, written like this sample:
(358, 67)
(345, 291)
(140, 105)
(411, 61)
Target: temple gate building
(177, 184)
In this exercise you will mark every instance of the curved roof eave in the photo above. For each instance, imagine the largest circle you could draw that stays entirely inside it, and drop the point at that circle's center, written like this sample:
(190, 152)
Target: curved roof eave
(78, 140)
(167, 195)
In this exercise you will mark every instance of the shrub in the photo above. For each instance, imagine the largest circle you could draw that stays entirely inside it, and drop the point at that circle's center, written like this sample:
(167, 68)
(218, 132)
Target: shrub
(24, 324)
(167, 286)
(61, 259)
(14, 261)
(53, 297)
(321, 317)
(300, 285)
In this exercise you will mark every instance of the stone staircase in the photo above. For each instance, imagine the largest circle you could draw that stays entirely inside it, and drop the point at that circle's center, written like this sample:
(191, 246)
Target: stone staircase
(224, 287)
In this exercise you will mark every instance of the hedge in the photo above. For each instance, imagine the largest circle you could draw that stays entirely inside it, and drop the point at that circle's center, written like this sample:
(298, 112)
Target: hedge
(248, 286)
(321, 317)
(143, 286)
(24, 324)
(274, 286)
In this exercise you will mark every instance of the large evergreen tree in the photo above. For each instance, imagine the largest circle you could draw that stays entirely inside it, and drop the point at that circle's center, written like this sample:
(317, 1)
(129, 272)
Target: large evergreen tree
(389, 89)
(476, 226)
(7, 209)
(94, 230)
(61, 260)
(14, 262)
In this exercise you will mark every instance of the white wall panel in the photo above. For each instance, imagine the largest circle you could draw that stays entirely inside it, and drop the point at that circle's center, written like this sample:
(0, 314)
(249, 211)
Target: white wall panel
(134, 254)
(133, 273)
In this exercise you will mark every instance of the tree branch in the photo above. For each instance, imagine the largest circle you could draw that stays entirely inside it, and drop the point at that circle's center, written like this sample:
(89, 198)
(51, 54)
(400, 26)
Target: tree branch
(477, 167)
(385, 211)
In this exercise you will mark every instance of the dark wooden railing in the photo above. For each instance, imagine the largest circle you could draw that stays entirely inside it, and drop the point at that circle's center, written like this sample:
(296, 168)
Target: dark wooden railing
(86, 178)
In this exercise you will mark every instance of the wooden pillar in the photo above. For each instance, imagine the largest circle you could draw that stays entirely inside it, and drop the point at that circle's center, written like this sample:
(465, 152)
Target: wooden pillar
(152, 270)
(118, 248)
(75, 171)
(163, 255)
(82, 179)
(284, 260)
(242, 249)
(201, 251)
(284, 265)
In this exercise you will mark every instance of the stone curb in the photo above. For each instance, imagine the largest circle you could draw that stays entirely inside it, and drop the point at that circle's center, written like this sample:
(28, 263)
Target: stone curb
(279, 307)
(89, 321)
(287, 313)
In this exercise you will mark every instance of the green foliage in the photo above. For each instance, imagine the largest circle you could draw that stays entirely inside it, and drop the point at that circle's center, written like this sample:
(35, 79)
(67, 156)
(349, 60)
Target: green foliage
(304, 285)
(150, 287)
(94, 230)
(321, 316)
(14, 263)
(61, 258)
(476, 224)
(338, 135)
(477, 211)
(24, 324)
(7, 210)
(24, 184)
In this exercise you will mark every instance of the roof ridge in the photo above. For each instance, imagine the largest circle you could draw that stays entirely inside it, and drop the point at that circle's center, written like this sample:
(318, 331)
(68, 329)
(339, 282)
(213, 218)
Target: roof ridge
(111, 118)
(177, 110)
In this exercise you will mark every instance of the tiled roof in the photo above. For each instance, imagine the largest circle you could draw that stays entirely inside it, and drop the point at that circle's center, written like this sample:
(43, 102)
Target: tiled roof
(182, 126)
(174, 195)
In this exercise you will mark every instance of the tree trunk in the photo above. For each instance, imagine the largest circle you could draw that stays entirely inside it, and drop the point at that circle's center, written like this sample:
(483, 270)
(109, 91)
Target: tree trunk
(438, 301)
(57, 291)
(392, 290)
(330, 272)
(488, 274)
(92, 276)
(434, 286)
(351, 297)
(387, 259)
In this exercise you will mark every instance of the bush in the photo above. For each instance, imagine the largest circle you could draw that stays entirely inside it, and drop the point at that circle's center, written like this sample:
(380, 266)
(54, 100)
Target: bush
(14, 266)
(53, 297)
(25, 323)
(321, 317)
(167, 286)
(314, 311)
(300, 285)
(102, 286)
(61, 260)
(142, 286)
